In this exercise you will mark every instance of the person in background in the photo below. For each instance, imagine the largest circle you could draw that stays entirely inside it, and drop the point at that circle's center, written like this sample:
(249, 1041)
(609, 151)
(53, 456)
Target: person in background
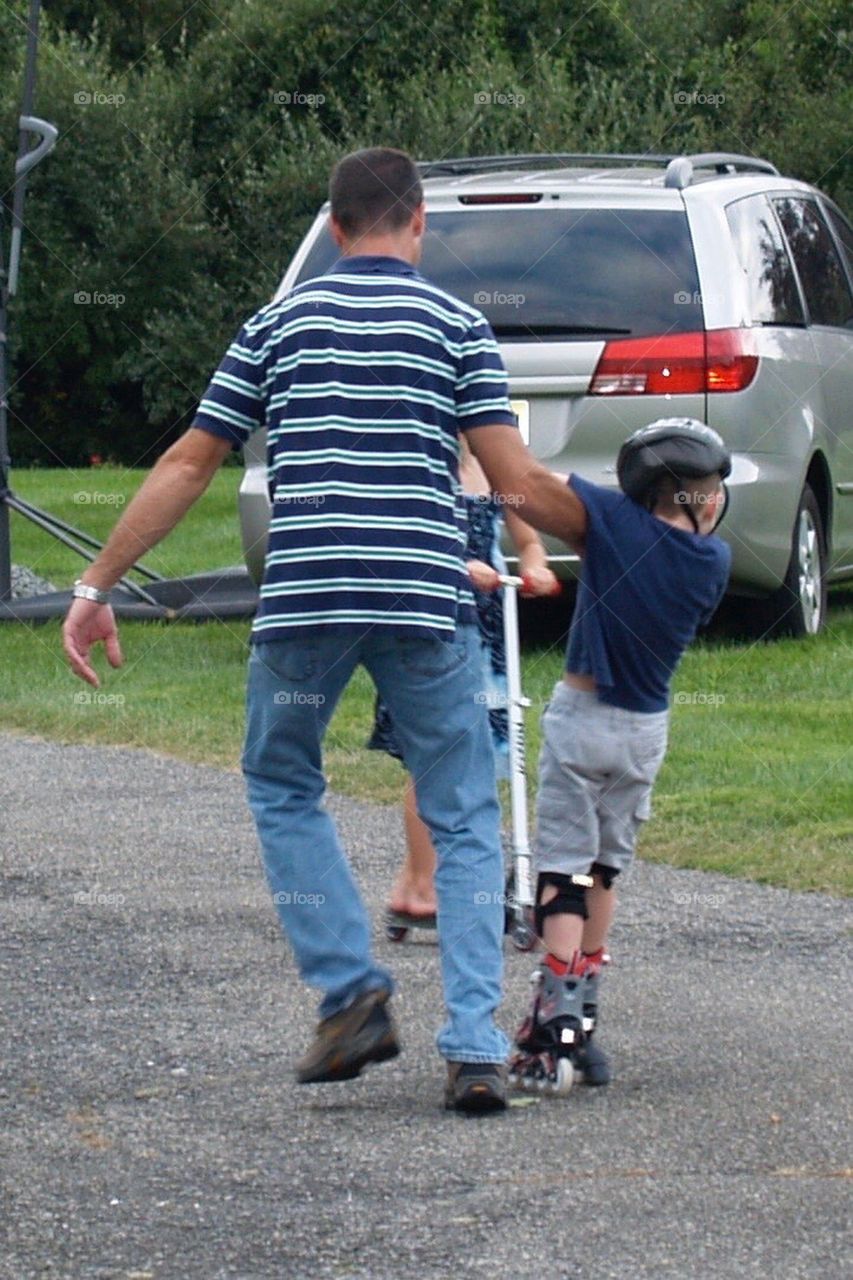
(412, 900)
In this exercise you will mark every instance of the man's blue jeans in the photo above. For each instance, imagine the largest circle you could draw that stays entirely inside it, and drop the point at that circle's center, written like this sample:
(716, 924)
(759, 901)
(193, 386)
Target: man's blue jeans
(433, 689)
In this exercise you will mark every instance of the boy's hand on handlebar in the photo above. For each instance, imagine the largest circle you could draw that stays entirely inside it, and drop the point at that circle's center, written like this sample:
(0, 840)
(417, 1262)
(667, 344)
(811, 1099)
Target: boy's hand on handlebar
(540, 581)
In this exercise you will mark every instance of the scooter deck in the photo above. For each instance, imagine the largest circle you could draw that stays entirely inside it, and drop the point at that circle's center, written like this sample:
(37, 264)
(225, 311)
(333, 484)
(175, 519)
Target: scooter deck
(403, 920)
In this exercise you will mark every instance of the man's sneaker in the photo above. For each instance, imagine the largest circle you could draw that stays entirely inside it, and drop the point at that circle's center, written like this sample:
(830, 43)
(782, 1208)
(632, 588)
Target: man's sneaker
(475, 1087)
(362, 1032)
(592, 1063)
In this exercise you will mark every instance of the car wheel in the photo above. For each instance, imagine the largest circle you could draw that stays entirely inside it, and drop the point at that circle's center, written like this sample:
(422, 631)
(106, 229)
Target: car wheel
(798, 608)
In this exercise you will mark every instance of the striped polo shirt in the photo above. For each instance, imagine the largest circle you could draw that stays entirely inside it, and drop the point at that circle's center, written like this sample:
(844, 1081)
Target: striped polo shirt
(363, 378)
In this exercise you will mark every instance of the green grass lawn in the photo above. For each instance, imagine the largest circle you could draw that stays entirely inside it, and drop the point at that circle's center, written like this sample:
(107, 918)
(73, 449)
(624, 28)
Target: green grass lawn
(757, 782)
(92, 501)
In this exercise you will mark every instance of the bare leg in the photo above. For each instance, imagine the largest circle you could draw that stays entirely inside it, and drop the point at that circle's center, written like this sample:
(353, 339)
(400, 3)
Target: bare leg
(600, 903)
(413, 891)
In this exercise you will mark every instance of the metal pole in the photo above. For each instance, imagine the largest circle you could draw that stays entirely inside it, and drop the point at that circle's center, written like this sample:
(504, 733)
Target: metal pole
(53, 524)
(21, 166)
(5, 538)
(44, 521)
(17, 224)
(517, 767)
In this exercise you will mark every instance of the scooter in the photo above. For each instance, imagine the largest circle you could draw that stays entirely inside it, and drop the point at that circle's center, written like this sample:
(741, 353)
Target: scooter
(518, 892)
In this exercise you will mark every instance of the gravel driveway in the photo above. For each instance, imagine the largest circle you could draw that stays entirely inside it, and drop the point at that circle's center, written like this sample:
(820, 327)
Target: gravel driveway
(151, 1128)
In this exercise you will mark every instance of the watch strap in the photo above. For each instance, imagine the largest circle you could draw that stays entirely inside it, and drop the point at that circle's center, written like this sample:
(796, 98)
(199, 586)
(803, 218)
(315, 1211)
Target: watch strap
(82, 591)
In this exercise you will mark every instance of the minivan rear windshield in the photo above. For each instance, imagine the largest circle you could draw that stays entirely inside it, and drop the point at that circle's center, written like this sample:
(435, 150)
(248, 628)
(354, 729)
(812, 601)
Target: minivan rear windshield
(556, 272)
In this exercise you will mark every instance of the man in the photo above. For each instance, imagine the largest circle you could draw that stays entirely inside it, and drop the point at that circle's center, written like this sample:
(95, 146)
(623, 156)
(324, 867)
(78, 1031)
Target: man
(364, 378)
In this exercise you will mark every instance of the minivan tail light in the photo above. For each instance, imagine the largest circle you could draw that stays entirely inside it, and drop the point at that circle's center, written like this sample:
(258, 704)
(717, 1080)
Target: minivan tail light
(732, 359)
(676, 364)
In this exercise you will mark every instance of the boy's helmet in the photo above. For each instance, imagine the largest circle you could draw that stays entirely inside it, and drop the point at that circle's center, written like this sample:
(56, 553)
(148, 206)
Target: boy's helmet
(683, 448)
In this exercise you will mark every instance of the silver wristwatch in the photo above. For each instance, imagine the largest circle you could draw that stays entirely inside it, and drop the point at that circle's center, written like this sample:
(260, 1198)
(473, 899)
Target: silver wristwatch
(82, 591)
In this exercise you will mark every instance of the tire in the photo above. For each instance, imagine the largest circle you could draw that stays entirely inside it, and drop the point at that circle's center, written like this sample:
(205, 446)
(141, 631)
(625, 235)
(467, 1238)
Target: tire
(523, 937)
(565, 1077)
(509, 901)
(798, 608)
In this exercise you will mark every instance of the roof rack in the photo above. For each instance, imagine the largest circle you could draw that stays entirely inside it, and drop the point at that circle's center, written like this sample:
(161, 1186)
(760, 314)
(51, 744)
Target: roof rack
(679, 171)
(679, 168)
(550, 160)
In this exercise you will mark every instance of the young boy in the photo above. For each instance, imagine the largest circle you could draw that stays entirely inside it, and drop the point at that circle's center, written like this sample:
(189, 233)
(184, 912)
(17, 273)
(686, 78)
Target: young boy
(652, 573)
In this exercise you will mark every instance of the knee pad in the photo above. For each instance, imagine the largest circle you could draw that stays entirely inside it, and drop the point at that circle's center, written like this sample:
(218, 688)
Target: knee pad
(607, 874)
(569, 900)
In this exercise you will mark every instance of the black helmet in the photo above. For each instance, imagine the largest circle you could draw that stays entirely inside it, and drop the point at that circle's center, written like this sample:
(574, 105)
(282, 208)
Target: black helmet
(682, 448)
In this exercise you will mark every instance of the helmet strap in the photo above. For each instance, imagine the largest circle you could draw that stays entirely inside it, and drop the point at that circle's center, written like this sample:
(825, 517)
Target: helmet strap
(688, 506)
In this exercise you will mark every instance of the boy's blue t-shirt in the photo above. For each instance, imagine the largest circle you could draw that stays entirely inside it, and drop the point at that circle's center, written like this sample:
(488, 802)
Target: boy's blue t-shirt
(645, 588)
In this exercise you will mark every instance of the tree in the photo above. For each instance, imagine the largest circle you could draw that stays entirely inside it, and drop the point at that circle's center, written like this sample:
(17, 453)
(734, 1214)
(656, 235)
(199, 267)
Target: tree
(196, 143)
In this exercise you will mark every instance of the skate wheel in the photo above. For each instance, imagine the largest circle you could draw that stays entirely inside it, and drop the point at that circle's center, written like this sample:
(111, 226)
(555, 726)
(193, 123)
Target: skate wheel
(565, 1078)
(519, 1080)
(509, 904)
(523, 937)
(396, 932)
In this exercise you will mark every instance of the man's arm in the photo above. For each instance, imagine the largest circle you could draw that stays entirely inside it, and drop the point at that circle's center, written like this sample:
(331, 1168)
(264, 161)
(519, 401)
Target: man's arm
(178, 478)
(174, 483)
(544, 500)
(532, 556)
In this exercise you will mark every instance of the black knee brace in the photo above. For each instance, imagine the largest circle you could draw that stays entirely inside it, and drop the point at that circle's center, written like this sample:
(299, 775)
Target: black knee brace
(569, 900)
(607, 874)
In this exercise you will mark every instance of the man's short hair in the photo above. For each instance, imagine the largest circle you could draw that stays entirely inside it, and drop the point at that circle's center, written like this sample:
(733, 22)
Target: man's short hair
(375, 190)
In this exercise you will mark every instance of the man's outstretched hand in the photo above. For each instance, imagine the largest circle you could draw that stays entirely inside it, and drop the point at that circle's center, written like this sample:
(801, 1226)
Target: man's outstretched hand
(483, 576)
(179, 477)
(88, 623)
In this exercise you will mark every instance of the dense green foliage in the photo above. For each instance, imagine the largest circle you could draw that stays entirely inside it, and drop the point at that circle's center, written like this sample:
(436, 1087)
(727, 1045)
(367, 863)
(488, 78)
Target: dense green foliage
(184, 177)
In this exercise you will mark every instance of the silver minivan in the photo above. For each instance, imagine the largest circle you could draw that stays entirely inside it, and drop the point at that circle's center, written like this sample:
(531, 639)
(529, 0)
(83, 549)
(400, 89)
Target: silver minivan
(627, 288)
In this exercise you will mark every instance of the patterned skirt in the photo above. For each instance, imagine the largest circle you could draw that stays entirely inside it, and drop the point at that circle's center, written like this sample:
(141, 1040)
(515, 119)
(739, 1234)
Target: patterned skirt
(484, 525)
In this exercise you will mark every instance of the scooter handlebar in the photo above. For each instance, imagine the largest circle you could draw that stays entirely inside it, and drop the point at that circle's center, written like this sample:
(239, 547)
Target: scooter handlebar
(524, 584)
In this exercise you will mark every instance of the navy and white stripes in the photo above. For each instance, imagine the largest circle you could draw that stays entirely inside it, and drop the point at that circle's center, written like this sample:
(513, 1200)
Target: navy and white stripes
(363, 379)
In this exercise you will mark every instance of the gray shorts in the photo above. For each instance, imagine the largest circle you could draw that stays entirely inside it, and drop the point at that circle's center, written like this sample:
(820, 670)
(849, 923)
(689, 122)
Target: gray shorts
(597, 768)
